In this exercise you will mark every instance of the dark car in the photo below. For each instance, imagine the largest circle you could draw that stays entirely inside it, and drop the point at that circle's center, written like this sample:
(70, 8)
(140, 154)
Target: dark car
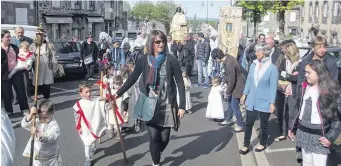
(68, 55)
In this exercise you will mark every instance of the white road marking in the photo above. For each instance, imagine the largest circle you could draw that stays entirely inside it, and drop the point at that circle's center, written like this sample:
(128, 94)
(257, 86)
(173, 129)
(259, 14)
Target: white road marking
(248, 159)
(260, 156)
(279, 150)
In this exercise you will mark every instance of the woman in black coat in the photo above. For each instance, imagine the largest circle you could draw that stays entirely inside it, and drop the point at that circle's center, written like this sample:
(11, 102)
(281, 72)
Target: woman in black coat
(155, 66)
(9, 55)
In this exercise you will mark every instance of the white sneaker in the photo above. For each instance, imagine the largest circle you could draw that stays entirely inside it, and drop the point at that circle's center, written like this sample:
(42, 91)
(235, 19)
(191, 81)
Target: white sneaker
(225, 122)
(238, 129)
(156, 164)
(87, 161)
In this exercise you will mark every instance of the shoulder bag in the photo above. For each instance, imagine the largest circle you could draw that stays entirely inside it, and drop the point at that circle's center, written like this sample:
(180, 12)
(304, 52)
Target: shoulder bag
(145, 106)
(89, 59)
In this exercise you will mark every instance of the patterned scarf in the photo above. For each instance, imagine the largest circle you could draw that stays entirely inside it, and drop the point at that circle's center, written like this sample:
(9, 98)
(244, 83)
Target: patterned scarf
(154, 68)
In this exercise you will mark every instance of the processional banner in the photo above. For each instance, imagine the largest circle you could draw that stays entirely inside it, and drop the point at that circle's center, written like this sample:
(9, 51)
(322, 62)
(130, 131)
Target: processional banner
(229, 31)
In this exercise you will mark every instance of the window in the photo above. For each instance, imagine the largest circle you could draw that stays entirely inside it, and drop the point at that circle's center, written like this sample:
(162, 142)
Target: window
(292, 16)
(325, 9)
(267, 17)
(56, 4)
(311, 11)
(302, 12)
(337, 7)
(91, 5)
(316, 14)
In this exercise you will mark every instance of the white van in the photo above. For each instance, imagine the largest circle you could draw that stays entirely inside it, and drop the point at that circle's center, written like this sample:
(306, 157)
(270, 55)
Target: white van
(30, 31)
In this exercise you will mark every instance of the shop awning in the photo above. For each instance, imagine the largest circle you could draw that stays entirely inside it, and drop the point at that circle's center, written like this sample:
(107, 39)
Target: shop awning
(95, 19)
(58, 20)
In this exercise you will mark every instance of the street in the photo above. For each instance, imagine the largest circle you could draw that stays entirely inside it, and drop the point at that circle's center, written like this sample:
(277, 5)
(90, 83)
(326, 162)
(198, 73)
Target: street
(198, 141)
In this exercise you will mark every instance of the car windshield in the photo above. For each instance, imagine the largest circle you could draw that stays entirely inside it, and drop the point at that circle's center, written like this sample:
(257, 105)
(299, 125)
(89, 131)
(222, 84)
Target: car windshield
(336, 55)
(67, 47)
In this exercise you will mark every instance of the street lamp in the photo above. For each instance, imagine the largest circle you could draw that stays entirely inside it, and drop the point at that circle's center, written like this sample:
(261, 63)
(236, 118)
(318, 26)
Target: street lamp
(203, 4)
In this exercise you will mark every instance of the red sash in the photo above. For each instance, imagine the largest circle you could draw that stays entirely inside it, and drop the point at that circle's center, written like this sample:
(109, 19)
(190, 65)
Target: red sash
(100, 83)
(116, 110)
(82, 117)
(27, 56)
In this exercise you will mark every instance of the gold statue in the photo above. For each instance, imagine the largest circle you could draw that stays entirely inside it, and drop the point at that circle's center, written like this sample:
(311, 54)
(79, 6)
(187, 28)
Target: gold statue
(178, 29)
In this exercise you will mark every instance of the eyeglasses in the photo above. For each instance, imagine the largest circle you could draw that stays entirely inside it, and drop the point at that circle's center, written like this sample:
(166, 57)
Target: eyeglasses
(159, 41)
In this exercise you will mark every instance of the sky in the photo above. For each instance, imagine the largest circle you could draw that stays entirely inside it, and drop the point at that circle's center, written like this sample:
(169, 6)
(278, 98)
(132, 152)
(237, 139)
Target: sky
(195, 7)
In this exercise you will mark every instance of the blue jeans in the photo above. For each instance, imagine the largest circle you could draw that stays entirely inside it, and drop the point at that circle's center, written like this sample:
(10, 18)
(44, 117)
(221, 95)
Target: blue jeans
(202, 69)
(233, 109)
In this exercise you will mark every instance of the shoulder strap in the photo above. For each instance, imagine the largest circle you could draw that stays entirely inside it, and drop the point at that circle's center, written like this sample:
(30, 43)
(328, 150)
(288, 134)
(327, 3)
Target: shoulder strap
(82, 116)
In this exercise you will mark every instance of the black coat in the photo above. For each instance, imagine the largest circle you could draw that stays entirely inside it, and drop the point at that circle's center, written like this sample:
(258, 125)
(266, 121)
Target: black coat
(4, 63)
(93, 50)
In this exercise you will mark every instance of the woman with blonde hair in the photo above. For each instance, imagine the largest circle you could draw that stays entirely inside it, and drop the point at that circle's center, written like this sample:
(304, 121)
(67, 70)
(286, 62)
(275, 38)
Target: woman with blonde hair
(286, 96)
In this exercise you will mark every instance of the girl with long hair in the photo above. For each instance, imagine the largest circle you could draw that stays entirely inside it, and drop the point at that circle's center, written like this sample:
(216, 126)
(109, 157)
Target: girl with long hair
(316, 123)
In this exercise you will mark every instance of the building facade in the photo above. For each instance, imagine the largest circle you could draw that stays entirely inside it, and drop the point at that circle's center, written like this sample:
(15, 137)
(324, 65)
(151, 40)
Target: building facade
(67, 19)
(114, 17)
(19, 13)
(322, 18)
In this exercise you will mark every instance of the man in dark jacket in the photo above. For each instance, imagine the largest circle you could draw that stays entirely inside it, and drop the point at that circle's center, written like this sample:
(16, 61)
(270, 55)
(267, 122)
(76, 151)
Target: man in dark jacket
(250, 50)
(186, 56)
(202, 56)
(275, 51)
(89, 53)
(172, 47)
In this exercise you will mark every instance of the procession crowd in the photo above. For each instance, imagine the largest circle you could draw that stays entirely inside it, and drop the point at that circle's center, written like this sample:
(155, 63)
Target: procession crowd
(152, 86)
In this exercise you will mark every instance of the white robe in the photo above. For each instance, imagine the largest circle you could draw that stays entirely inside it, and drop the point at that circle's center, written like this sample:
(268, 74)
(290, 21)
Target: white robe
(95, 114)
(46, 148)
(188, 85)
(110, 112)
(215, 108)
(7, 140)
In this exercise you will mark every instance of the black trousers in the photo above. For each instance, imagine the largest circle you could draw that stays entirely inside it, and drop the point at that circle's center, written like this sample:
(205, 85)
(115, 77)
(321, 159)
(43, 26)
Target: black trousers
(158, 140)
(17, 81)
(90, 69)
(250, 121)
(46, 90)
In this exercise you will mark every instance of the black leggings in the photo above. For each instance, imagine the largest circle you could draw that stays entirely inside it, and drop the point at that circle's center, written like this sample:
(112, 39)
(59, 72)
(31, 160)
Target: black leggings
(158, 140)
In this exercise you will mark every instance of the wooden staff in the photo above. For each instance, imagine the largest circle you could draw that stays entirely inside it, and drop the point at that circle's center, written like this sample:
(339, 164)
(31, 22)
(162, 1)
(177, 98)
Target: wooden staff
(114, 107)
(38, 43)
(101, 95)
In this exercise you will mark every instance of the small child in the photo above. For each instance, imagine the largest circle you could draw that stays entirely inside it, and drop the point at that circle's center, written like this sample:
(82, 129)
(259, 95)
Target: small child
(215, 108)
(187, 83)
(90, 120)
(108, 78)
(121, 115)
(46, 133)
(125, 72)
(25, 59)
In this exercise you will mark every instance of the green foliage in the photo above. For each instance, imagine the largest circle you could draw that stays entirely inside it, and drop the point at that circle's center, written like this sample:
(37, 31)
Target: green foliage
(285, 5)
(162, 11)
(256, 9)
(143, 10)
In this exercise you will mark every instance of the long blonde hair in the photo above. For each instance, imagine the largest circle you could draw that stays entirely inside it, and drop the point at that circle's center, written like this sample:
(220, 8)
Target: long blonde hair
(292, 52)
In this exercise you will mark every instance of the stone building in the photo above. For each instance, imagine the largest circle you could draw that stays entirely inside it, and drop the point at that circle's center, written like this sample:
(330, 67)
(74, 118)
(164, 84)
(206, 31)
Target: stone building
(71, 18)
(322, 18)
(114, 17)
(18, 12)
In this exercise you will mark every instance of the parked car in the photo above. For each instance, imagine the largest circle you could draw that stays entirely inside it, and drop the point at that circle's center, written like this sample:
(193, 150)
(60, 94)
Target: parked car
(68, 55)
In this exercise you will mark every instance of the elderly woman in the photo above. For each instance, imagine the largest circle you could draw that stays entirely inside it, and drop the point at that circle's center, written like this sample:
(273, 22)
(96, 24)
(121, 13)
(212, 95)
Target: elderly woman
(161, 75)
(9, 56)
(260, 95)
(47, 66)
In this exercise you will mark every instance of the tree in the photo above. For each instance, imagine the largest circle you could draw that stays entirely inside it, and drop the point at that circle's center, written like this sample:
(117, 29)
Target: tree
(143, 10)
(280, 7)
(255, 10)
(162, 11)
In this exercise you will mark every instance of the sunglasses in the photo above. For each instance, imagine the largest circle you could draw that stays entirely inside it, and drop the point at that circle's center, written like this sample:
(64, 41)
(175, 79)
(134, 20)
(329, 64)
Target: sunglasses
(159, 41)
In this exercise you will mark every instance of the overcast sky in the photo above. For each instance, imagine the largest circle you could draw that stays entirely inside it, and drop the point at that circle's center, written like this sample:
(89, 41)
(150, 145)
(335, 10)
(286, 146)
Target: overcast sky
(195, 7)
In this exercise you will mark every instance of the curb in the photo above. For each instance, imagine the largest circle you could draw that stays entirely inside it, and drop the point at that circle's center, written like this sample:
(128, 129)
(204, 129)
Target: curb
(260, 157)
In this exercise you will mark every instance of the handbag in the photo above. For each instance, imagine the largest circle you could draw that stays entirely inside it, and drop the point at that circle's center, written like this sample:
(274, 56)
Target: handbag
(88, 59)
(145, 106)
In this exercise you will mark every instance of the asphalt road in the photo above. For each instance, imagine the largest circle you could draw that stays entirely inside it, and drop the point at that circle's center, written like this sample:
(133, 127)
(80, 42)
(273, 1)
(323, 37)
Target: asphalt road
(199, 142)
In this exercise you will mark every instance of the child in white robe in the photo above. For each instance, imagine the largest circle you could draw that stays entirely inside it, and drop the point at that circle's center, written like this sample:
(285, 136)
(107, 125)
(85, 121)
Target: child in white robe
(46, 133)
(25, 59)
(90, 120)
(187, 83)
(121, 115)
(215, 108)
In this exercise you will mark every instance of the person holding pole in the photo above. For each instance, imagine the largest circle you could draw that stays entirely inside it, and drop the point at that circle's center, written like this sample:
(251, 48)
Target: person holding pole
(46, 132)
(160, 77)
(90, 120)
